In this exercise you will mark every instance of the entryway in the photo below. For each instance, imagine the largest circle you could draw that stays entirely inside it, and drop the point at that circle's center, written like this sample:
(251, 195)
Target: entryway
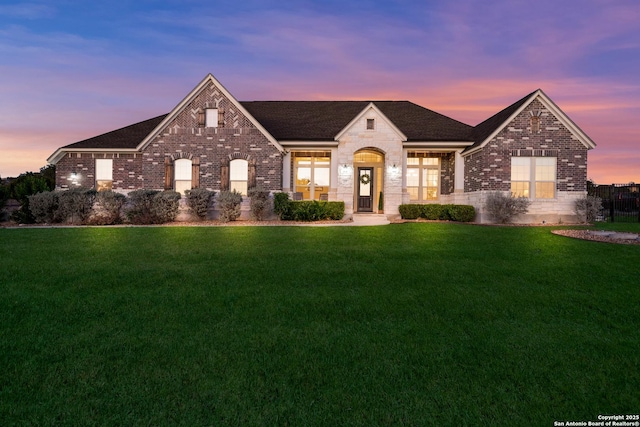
(369, 181)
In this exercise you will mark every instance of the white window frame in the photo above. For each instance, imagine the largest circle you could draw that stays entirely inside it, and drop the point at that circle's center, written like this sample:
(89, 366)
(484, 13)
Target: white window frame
(104, 174)
(314, 189)
(211, 117)
(182, 175)
(533, 176)
(239, 176)
(422, 167)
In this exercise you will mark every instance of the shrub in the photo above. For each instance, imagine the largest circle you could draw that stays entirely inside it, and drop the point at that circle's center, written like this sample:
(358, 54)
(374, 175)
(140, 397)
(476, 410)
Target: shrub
(108, 208)
(21, 188)
(432, 211)
(503, 207)
(588, 208)
(140, 204)
(259, 203)
(75, 205)
(461, 213)
(334, 210)
(282, 206)
(165, 206)
(199, 200)
(411, 211)
(44, 207)
(229, 205)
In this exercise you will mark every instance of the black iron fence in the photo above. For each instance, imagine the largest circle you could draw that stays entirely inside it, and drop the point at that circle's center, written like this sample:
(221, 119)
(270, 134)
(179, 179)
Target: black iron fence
(620, 202)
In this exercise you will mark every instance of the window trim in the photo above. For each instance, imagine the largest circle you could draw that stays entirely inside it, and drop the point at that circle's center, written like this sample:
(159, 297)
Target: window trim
(244, 190)
(422, 167)
(314, 194)
(211, 119)
(533, 178)
(104, 183)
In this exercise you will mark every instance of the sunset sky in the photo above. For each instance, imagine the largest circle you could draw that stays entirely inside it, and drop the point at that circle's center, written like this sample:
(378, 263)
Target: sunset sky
(70, 70)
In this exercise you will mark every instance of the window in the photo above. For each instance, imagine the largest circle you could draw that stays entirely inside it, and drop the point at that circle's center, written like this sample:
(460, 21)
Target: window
(182, 175)
(312, 174)
(239, 176)
(371, 123)
(533, 177)
(104, 174)
(211, 117)
(423, 177)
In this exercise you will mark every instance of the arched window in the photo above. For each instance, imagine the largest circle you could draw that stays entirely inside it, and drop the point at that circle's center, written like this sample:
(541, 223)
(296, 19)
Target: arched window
(183, 173)
(239, 176)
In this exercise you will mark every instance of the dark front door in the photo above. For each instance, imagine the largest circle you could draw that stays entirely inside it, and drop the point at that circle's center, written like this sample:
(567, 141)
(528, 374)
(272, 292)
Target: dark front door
(365, 189)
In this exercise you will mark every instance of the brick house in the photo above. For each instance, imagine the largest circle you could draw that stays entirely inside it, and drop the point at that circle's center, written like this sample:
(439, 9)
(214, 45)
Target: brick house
(353, 151)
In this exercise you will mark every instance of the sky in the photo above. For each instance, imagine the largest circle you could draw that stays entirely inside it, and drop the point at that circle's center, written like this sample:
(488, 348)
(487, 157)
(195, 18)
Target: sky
(70, 70)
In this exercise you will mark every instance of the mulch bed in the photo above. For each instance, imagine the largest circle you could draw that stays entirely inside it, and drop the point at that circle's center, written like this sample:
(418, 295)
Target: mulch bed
(588, 235)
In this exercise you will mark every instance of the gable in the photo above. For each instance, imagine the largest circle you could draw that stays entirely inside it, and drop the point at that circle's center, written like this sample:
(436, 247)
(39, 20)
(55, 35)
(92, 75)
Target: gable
(370, 112)
(490, 128)
(208, 94)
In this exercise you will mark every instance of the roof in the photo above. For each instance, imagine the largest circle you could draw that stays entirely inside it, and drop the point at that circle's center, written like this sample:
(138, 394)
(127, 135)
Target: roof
(486, 128)
(323, 120)
(125, 138)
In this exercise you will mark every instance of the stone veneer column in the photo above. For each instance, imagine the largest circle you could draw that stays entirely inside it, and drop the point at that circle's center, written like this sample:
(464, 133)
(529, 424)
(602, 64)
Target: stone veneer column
(286, 172)
(459, 173)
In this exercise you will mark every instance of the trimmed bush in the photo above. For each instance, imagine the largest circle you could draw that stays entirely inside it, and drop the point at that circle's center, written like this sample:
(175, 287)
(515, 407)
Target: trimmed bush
(282, 206)
(259, 203)
(432, 211)
(588, 208)
(411, 211)
(199, 200)
(165, 206)
(461, 213)
(503, 207)
(229, 205)
(335, 210)
(313, 210)
(108, 208)
(140, 206)
(44, 207)
(75, 205)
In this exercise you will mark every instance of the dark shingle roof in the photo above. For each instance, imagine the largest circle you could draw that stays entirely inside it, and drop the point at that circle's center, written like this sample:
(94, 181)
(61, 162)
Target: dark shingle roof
(323, 120)
(486, 128)
(126, 137)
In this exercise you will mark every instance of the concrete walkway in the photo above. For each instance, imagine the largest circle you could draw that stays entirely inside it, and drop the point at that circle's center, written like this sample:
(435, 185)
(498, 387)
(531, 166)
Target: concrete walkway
(369, 219)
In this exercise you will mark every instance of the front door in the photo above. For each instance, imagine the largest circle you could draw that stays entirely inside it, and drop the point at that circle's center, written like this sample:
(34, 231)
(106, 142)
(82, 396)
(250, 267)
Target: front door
(365, 189)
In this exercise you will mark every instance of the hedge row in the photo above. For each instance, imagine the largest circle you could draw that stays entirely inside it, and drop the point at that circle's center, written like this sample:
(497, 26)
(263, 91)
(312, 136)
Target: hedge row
(460, 213)
(306, 210)
(82, 206)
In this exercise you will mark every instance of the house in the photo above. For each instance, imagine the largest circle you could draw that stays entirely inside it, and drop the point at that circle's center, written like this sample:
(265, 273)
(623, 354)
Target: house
(352, 151)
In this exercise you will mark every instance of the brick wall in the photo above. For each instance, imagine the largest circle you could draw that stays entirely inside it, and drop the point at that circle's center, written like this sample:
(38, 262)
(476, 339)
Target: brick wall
(490, 169)
(237, 137)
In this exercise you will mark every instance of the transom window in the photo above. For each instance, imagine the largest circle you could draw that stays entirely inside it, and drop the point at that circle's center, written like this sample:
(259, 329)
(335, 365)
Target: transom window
(423, 177)
(104, 174)
(239, 176)
(533, 177)
(312, 174)
(367, 156)
(182, 178)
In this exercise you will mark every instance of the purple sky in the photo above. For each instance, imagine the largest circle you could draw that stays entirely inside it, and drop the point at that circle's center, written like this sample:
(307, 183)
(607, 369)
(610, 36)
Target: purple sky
(69, 71)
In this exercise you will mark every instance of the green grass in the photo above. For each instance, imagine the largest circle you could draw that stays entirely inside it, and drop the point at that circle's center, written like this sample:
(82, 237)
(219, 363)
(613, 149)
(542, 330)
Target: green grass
(407, 324)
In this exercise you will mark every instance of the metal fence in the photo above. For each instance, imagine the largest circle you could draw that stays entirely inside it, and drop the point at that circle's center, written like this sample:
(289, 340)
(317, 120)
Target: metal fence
(620, 202)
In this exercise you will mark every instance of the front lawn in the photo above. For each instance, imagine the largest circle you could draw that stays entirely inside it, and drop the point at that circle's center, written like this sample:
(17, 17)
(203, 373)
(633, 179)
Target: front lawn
(406, 324)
